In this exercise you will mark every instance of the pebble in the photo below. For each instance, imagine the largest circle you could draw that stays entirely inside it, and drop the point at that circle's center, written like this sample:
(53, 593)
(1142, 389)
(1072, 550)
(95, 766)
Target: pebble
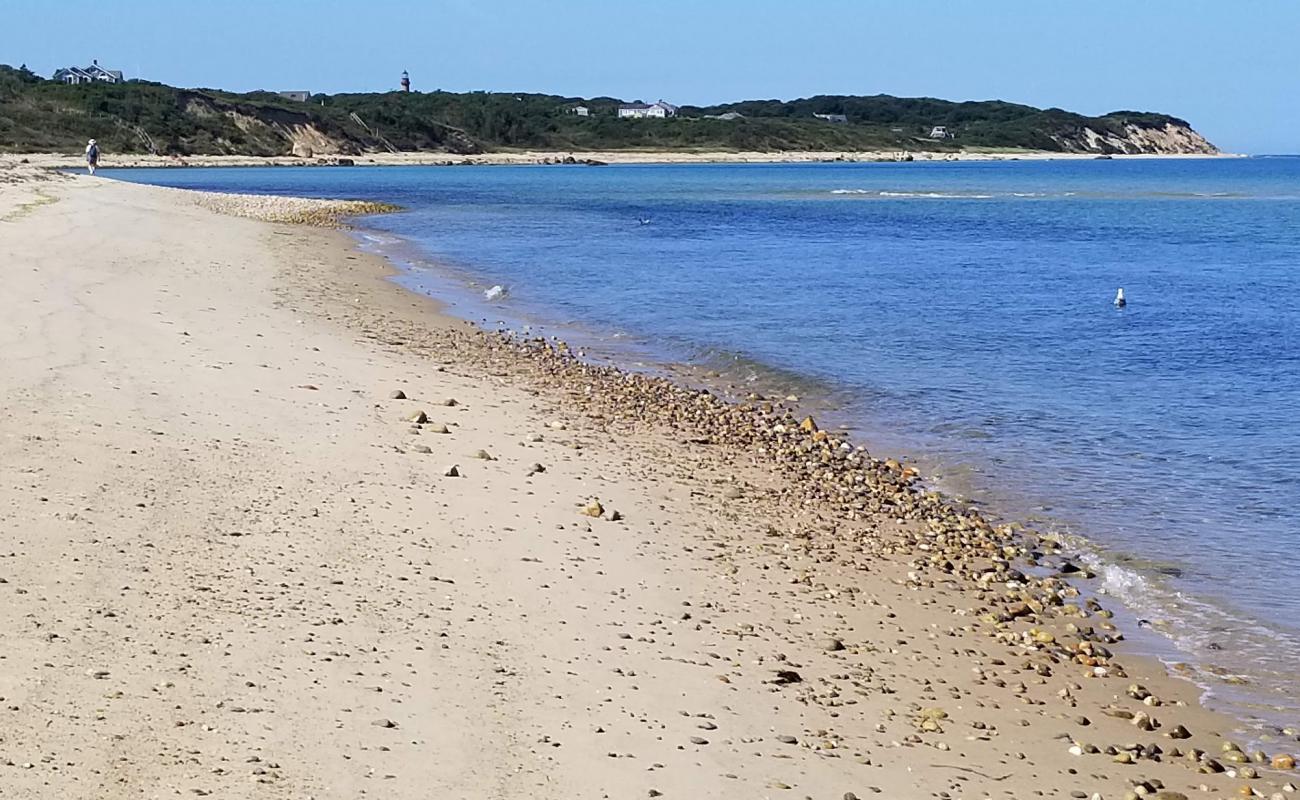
(483, 455)
(452, 472)
(421, 448)
(397, 394)
(419, 418)
(699, 740)
(384, 723)
(787, 739)
(831, 644)
(440, 428)
(1283, 762)
(593, 508)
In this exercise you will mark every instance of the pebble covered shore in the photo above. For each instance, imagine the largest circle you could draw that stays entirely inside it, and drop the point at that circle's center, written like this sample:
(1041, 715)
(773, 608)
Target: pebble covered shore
(288, 210)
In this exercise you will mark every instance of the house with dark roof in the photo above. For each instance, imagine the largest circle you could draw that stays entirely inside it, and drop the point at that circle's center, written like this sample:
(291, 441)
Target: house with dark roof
(658, 110)
(92, 74)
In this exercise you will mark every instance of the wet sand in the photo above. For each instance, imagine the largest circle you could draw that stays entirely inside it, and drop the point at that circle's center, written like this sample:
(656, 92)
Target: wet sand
(235, 564)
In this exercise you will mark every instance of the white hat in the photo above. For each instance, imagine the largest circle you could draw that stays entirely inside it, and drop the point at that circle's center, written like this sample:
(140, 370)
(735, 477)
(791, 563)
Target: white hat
(92, 141)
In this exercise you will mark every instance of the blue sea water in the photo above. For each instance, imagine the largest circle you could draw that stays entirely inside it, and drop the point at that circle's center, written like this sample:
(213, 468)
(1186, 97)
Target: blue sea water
(956, 313)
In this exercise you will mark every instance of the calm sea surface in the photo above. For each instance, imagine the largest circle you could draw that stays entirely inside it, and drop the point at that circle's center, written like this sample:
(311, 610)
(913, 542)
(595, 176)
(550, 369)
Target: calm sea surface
(956, 313)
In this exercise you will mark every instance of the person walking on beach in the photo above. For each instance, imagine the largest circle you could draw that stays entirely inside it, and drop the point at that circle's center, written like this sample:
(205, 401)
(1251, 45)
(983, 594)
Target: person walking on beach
(92, 156)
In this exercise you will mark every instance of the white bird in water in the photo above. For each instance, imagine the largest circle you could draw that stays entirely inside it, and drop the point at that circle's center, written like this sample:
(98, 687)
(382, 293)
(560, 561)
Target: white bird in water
(1120, 302)
(644, 220)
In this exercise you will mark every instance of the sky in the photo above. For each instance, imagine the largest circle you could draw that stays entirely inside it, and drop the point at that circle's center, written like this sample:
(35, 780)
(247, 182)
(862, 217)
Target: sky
(1231, 68)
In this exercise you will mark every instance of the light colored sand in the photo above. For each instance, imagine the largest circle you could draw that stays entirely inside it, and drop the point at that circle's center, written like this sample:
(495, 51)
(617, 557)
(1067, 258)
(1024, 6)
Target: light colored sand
(226, 570)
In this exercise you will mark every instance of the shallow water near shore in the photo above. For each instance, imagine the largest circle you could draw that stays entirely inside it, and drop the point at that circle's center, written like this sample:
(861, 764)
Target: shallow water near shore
(958, 314)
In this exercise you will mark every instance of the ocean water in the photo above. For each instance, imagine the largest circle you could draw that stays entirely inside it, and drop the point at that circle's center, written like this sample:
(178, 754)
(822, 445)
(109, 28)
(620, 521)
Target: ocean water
(958, 314)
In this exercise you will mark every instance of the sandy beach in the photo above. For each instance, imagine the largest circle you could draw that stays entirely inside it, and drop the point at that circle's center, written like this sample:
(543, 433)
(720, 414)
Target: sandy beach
(274, 527)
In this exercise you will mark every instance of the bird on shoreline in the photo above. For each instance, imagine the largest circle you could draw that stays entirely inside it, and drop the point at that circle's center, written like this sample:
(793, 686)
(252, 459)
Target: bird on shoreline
(1120, 302)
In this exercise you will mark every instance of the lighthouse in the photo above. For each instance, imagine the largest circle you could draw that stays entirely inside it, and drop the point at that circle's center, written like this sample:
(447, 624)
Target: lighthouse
(406, 81)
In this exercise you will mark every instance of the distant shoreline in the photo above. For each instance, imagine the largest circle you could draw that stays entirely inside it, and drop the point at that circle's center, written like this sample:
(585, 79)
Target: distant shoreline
(542, 157)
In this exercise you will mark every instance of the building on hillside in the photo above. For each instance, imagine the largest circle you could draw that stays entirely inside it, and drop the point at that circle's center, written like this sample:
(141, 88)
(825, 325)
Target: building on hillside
(406, 81)
(729, 116)
(658, 110)
(839, 119)
(580, 111)
(297, 97)
(92, 74)
(940, 132)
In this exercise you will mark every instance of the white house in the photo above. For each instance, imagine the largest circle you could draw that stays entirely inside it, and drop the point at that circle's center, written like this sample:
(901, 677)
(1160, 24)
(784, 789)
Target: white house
(939, 132)
(837, 118)
(580, 111)
(92, 74)
(296, 96)
(658, 110)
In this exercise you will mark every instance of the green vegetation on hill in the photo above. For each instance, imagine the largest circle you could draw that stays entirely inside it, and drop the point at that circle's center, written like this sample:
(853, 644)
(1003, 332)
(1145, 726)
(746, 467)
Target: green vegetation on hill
(141, 117)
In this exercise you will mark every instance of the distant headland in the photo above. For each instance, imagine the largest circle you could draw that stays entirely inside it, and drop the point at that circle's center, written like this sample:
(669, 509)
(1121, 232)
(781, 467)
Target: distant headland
(39, 115)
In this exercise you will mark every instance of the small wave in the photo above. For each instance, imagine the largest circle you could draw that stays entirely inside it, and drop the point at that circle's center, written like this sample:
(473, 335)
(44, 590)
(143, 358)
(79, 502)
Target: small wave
(1211, 644)
(377, 239)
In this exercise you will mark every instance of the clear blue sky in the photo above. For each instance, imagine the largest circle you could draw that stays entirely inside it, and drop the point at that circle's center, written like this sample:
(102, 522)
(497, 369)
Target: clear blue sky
(1230, 67)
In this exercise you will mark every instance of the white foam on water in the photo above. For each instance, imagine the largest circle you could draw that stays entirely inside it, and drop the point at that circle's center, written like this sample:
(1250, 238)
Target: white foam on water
(1129, 586)
(938, 195)
(914, 195)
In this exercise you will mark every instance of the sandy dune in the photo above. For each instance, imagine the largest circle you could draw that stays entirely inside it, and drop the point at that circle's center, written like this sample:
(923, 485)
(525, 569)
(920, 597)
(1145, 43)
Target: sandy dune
(232, 566)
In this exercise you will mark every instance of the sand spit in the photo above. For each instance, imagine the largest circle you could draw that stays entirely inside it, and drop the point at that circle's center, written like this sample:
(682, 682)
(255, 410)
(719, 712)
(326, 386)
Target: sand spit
(536, 157)
(273, 527)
